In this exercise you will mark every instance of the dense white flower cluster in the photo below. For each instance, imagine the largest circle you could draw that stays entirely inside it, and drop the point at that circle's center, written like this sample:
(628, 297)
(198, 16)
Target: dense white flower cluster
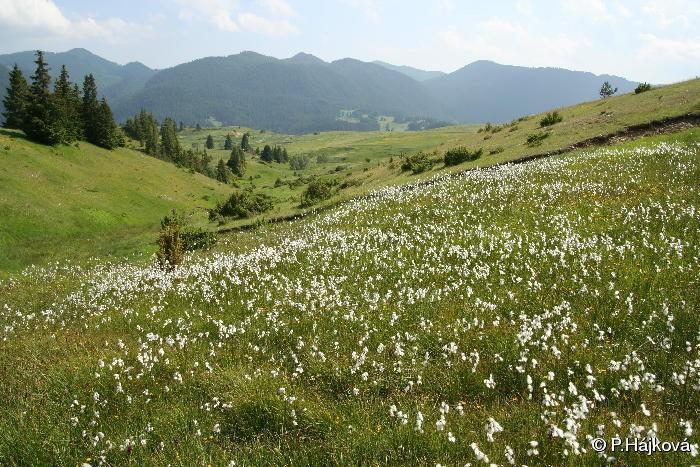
(444, 296)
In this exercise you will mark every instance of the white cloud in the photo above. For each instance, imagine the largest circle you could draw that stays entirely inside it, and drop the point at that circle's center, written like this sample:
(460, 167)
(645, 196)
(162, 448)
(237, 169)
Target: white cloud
(44, 18)
(598, 10)
(368, 7)
(673, 13)
(33, 14)
(658, 47)
(511, 43)
(277, 7)
(254, 23)
(444, 6)
(226, 16)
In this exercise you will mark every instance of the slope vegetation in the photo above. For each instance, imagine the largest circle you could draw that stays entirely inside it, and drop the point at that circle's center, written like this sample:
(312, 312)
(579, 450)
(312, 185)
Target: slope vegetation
(362, 161)
(507, 316)
(75, 202)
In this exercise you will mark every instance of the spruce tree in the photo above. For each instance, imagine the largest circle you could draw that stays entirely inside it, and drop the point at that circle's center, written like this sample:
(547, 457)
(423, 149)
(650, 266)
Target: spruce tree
(16, 100)
(210, 142)
(222, 172)
(266, 154)
(237, 162)
(106, 131)
(245, 142)
(90, 109)
(228, 144)
(170, 145)
(39, 122)
(67, 105)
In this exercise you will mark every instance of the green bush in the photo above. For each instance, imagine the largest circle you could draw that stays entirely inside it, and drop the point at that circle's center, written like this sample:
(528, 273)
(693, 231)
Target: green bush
(550, 119)
(242, 204)
(461, 154)
(197, 239)
(535, 139)
(497, 150)
(171, 250)
(417, 163)
(298, 162)
(643, 87)
(317, 191)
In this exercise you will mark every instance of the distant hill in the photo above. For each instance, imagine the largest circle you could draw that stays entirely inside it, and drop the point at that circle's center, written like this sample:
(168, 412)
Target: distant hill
(295, 95)
(487, 91)
(304, 94)
(113, 80)
(415, 73)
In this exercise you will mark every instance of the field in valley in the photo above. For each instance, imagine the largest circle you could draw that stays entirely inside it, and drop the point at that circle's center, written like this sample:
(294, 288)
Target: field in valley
(370, 160)
(77, 202)
(507, 316)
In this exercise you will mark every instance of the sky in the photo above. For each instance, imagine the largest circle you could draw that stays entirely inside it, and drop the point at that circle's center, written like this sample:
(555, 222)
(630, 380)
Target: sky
(653, 41)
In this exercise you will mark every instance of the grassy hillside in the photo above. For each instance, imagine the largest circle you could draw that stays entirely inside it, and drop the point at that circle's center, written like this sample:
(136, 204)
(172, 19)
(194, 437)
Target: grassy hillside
(70, 202)
(74, 202)
(369, 160)
(505, 316)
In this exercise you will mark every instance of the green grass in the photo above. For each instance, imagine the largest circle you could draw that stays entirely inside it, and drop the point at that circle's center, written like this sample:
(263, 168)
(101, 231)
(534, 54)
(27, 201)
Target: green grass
(291, 343)
(70, 202)
(365, 157)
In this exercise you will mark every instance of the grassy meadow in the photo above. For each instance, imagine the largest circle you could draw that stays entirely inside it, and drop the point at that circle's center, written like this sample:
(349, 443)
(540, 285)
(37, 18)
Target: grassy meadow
(70, 202)
(368, 160)
(82, 201)
(505, 316)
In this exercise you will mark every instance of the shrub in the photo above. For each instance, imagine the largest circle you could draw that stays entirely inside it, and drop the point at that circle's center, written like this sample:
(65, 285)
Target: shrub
(643, 87)
(298, 162)
(535, 139)
(242, 204)
(496, 150)
(550, 119)
(322, 158)
(170, 246)
(197, 239)
(461, 154)
(317, 191)
(606, 90)
(417, 163)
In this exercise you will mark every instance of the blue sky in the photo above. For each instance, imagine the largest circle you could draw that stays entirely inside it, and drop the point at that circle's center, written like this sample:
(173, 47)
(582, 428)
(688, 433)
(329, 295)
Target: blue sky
(656, 41)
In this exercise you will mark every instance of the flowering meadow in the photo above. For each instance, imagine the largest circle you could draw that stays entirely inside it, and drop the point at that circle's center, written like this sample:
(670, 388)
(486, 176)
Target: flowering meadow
(505, 316)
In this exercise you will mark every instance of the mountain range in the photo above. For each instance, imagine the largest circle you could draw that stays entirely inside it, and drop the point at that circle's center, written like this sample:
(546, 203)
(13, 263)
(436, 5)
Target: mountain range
(304, 93)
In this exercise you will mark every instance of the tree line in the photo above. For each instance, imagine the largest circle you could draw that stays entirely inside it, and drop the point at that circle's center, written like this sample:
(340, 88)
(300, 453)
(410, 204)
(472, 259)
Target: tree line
(62, 116)
(160, 140)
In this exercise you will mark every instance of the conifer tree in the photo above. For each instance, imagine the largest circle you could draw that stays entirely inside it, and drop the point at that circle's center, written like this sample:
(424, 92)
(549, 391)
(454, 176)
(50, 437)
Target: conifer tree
(39, 123)
(106, 132)
(67, 106)
(170, 146)
(237, 162)
(90, 109)
(16, 100)
(222, 172)
(245, 142)
(266, 154)
(210, 142)
(228, 144)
